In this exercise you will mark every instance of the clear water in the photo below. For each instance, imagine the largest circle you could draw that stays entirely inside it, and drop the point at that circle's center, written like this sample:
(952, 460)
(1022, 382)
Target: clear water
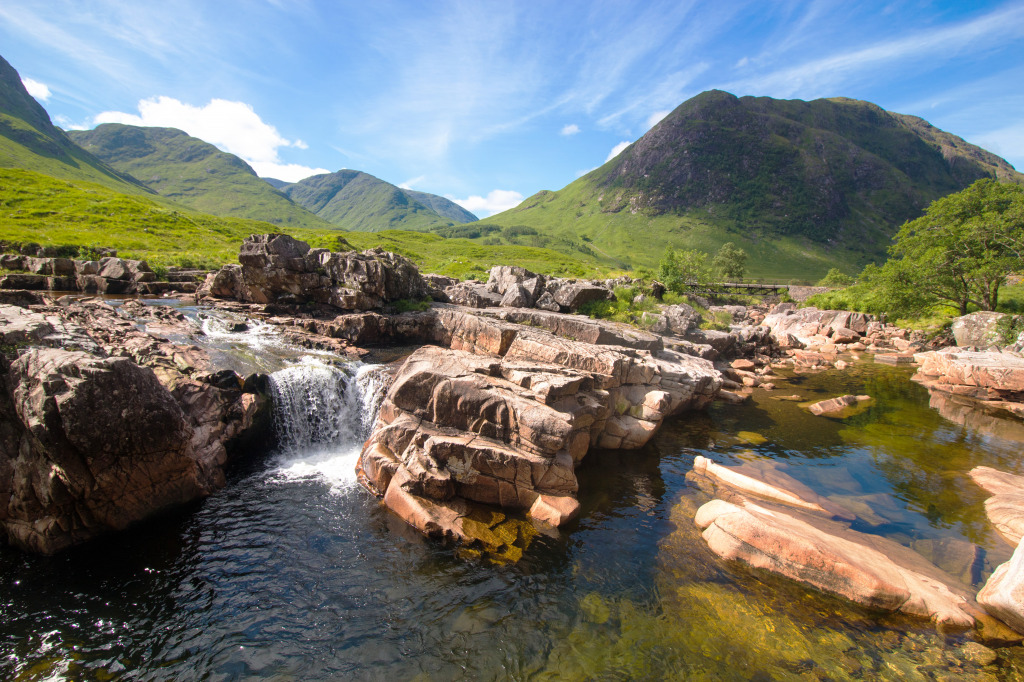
(294, 572)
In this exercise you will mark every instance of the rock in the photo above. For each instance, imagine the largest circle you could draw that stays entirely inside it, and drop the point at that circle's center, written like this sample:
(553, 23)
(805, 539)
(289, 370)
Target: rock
(835, 559)
(805, 323)
(505, 422)
(894, 359)
(834, 406)
(278, 269)
(573, 295)
(678, 320)
(516, 297)
(978, 654)
(977, 330)
(765, 479)
(473, 294)
(1003, 594)
(959, 558)
(91, 443)
(977, 373)
(581, 328)
(997, 482)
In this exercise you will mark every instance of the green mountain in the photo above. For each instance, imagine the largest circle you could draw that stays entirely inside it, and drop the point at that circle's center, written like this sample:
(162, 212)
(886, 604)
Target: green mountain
(193, 173)
(802, 186)
(446, 208)
(357, 201)
(29, 140)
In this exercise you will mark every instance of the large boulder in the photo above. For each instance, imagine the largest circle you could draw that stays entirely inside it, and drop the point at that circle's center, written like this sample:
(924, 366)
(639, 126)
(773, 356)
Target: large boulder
(809, 326)
(978, 330)
(503, 416)
(100, 437)
(276, 268)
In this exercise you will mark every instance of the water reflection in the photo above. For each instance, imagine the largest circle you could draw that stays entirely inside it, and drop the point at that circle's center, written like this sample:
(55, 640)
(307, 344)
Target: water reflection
(293, 577)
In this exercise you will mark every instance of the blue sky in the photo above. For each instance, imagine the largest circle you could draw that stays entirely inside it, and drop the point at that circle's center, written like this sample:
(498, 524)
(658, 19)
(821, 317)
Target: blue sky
(488, 102)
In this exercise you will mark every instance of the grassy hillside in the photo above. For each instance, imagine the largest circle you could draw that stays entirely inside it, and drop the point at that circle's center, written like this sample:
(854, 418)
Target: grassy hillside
(29, 140)
(357, 201)
(801, 186)
(193, 173)
(52, 212)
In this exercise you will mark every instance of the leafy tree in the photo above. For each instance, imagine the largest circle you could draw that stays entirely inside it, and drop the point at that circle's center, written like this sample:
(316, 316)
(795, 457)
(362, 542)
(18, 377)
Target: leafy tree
(835, 278)
(679, 268)
(730, 262)
(960, 251)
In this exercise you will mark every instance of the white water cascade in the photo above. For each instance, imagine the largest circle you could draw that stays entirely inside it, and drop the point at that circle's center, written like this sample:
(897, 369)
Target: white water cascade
(322, 415)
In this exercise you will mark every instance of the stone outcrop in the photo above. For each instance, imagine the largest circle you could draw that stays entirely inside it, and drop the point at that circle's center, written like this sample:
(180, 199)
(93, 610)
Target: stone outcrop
(103, 425)
(995, 378)
(763, 517)
(503, 415)
(109, 275)
(835, 331)
(275, 268)
(1003, 594)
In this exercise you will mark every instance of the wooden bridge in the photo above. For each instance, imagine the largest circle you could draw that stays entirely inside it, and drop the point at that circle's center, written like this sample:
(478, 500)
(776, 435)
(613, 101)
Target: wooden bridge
(748, 288)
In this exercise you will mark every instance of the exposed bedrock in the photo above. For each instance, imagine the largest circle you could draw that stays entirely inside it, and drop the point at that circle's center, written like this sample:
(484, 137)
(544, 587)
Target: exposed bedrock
(275, 268)
(765, 518)
(505, 414)
(103, 425)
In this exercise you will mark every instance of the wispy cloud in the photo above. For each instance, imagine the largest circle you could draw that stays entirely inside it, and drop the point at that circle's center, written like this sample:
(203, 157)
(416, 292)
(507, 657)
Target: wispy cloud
(496, 201)
(824, 76)
(412, 182)
(655, 118)
(570, 129)
(616, 150)
(38, 90)
(233, 126)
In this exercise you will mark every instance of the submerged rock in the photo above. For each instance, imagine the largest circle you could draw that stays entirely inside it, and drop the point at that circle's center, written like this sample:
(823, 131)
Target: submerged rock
(835, 559)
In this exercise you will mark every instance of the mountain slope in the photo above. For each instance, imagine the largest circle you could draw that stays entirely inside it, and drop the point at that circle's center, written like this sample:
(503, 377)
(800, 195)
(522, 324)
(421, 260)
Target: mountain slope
(358, 201)
(193, 173)
(803, 186)
(446, 208)
(29, 140)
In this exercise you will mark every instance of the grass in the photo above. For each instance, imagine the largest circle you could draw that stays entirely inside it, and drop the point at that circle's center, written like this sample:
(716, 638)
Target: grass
(626, 308)
(193, 173)
(36, 208)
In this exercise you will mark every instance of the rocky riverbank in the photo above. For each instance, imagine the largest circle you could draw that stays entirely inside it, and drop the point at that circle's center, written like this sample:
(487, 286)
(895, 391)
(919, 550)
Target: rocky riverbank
(501, 394)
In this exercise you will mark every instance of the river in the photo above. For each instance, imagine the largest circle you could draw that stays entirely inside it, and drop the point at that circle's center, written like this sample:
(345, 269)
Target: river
(293, 571)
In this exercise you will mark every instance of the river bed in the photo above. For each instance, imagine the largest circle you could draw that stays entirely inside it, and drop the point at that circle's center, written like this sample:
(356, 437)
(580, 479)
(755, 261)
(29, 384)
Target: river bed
(295, 572)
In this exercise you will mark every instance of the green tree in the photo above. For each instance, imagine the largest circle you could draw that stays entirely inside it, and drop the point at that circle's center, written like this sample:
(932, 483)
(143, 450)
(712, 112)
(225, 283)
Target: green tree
(835, 278)
(679, 268)
(960, 251)
(730, 262)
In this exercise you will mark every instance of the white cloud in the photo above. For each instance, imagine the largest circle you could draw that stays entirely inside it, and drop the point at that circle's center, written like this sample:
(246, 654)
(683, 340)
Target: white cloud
(67, 124)
(656, 117)
(570, 129)
(742, 62)
(408, 184)
(1007, 142)
(496, 201)
(36, 89)
(616, 150)
(232, 126)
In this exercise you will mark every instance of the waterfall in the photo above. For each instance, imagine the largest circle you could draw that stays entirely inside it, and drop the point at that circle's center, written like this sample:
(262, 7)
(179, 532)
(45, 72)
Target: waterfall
(322, 415)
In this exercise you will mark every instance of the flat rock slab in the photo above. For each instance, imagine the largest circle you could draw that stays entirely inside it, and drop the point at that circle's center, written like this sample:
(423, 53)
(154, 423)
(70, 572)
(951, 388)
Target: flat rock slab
(837, 406)
(865, 569)
(1003, 372)
(1003, 594)
(765, 479)
(894, 359)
